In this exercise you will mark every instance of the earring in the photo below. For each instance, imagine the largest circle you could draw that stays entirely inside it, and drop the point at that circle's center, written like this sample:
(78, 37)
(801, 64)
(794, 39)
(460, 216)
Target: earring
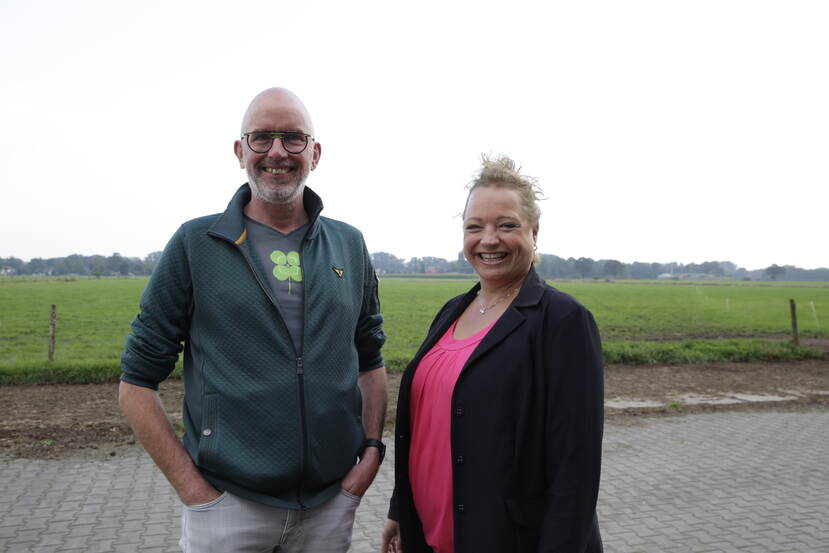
(535, 246)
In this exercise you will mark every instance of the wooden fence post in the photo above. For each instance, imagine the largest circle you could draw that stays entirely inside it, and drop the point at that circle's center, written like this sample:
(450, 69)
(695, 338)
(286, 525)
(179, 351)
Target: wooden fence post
(52, 331)
(793, 309)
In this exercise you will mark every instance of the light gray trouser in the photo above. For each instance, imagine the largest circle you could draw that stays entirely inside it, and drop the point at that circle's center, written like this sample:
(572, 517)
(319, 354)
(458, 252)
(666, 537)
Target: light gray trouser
(230, 524)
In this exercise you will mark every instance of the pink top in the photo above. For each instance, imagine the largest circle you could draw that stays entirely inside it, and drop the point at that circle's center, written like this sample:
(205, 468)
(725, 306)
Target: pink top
(430, 462)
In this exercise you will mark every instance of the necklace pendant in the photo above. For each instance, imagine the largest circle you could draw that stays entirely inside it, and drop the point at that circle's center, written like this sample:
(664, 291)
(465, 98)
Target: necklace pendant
(482, 310)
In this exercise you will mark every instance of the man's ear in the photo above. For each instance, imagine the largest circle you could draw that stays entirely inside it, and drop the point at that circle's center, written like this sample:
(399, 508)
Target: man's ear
(317, 153)
(237, 149)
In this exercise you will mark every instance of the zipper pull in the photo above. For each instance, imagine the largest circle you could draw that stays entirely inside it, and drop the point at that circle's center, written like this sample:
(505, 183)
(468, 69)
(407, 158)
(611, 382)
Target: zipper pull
(299, 369)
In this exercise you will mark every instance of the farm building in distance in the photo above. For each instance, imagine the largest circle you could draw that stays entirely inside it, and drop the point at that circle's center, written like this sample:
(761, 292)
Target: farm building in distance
(686, 276)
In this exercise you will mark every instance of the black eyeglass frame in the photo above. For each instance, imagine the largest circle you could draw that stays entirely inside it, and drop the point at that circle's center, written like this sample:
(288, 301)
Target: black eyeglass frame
(281, 135)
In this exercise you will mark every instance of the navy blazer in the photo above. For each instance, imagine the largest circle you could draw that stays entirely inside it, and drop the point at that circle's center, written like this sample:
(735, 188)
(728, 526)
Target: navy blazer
(526, 430)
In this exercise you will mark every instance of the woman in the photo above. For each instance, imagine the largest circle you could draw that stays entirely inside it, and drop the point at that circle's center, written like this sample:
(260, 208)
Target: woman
(499, 419)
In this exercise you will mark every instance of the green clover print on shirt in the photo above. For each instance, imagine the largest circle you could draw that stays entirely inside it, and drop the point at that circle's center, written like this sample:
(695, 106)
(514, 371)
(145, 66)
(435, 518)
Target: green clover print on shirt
(286, 266)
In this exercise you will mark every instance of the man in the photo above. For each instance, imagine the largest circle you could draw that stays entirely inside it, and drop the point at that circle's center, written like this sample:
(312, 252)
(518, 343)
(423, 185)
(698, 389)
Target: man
(277, 311)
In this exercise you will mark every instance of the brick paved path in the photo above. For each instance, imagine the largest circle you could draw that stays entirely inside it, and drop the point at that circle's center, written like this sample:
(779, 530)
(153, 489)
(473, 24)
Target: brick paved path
(747, 482)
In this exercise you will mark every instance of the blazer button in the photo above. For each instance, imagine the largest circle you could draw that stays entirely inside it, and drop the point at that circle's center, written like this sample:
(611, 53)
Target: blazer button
(459, 459)
(460, 508)
(459, 411)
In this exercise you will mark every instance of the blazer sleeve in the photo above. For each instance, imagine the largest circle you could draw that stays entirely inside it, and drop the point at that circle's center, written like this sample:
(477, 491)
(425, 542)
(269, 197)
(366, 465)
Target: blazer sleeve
(394, 513)
(573, 433)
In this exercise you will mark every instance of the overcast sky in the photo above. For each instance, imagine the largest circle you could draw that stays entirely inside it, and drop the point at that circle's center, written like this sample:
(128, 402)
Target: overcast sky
(660, 130)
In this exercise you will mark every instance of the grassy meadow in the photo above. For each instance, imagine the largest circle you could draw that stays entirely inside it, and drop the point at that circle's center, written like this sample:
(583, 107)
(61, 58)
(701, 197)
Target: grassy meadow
(640, 321)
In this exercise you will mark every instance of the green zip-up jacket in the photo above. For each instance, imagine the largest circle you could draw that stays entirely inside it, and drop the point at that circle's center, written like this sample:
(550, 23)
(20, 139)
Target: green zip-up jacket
(262, 420)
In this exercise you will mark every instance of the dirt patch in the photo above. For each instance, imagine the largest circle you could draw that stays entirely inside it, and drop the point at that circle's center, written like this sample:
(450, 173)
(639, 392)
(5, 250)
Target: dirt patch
(633, 391)
(56, 421)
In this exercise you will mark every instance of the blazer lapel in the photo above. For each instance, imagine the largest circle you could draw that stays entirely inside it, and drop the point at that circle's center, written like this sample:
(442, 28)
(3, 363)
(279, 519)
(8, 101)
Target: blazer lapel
(529, 295)
(439, 329)
(509, 321)
(449, 317)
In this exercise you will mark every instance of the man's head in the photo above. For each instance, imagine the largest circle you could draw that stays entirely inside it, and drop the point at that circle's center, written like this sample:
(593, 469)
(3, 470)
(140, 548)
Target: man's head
(276, 175)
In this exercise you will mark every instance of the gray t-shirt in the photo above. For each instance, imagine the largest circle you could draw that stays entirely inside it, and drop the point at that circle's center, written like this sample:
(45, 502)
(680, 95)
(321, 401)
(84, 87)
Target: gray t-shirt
(279, 255)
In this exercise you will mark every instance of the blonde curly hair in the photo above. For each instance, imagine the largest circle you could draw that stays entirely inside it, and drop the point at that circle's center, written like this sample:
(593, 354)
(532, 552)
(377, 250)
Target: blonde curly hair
(502, 172)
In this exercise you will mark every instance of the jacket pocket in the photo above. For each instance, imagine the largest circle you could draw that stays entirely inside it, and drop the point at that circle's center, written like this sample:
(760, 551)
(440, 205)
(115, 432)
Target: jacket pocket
(209, 431)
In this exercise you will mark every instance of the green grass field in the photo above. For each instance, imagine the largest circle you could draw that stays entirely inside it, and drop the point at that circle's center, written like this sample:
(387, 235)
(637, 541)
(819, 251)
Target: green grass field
(640, 322)
(637, 318)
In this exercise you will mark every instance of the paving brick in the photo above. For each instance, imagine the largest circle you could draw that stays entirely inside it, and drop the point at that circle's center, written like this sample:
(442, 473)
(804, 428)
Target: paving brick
(80, 530)
(128, 548)
(52, 539)
(101, 546)
(45, 549)
(25, 536)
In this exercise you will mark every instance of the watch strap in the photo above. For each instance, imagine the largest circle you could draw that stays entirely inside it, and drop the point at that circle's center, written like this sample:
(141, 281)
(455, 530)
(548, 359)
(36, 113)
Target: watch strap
(371, 442)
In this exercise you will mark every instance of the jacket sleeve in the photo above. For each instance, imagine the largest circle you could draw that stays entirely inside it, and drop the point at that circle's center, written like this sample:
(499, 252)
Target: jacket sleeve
(394, 512)
(573, 434)
(369, 336)
(157, 333)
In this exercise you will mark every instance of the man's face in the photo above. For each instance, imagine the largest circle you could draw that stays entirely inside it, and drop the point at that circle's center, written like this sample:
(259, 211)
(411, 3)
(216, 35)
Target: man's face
(276, 176)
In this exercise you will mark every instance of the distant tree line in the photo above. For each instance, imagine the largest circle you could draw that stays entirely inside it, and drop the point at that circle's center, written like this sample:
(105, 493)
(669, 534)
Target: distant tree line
(83, 265)
(550, 266)
(553, 266)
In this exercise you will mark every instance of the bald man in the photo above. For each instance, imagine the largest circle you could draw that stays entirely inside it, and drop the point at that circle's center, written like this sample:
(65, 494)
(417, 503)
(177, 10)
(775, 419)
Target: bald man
(276, 310)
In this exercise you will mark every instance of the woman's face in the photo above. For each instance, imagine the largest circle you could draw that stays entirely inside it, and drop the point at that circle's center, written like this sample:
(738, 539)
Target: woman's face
(497, 239)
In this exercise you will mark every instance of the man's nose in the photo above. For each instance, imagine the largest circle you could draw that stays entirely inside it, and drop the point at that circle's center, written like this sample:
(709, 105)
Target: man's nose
(277, 149)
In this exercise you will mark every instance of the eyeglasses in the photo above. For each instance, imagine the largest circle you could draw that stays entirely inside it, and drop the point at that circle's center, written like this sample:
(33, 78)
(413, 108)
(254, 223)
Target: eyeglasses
(262, 141)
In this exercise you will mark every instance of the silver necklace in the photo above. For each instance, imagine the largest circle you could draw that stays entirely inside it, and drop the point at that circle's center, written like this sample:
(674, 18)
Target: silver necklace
(484, 308)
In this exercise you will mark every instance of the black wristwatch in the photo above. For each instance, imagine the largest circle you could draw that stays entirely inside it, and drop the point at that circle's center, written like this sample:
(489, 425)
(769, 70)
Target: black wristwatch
(371, 442)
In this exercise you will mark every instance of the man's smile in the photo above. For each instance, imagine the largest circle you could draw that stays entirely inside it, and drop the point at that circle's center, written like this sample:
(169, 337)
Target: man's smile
(277, 170)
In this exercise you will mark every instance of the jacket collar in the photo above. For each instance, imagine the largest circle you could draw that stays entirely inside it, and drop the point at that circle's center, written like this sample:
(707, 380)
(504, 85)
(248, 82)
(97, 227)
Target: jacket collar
(531, 290)
(231, 224)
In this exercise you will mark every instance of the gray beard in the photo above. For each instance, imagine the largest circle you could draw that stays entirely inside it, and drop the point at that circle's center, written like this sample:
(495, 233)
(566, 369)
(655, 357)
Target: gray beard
(274, 195)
